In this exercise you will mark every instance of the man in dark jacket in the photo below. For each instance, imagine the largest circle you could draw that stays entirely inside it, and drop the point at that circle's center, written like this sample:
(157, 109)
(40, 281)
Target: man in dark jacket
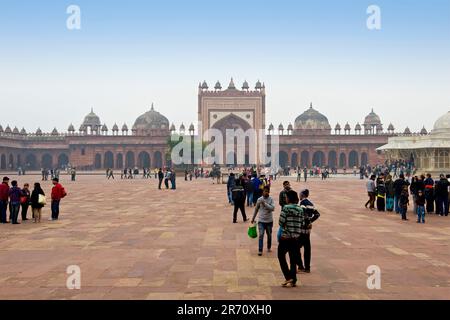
(4, 195)
(398, 187)
(282, 198)
(14, 202)
(238, 197)
(429, 193)
(249, 190)
(231, 183)
(442, 196)
(160, 178)
(305, 240)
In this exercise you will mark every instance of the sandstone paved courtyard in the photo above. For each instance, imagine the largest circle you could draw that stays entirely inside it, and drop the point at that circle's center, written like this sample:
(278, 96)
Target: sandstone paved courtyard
(132, 241)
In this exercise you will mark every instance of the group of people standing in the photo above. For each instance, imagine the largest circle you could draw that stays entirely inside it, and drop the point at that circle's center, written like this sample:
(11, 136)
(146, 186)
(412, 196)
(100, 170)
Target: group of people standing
(20, 199)
(428, 195)
(295, 225)
(168, 175)
(245, 189)
(52, 173)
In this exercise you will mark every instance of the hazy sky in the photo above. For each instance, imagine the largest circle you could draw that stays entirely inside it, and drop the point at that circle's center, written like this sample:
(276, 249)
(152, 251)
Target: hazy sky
(131, 53)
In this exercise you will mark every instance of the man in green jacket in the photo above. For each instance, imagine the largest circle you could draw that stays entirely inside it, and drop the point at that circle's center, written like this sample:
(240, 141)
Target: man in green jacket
(292, 220)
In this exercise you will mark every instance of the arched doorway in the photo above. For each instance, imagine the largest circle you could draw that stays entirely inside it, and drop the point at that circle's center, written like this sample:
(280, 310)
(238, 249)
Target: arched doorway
(63, 160)
(304, 159)
(108, 160)
(231, 159)
(353, 159)
(364, 159)
(342, 160)
(3, 162)
(294, 160)
(31, 162)
(19, 160)
(318, 159)
(283, 159)
(98, 161)
(47, 161)
(119, 161)
(332, 159)
(144, 160)
(11, 162)
(158, 159)
(234, 122)
(129, 160)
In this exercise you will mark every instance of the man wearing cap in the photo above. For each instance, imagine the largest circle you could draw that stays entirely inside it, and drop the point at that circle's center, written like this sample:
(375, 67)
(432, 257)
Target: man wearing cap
(58, 193)
(4, 195)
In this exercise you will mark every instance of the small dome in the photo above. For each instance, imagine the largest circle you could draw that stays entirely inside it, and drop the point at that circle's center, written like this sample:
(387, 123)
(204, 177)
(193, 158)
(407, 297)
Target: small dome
(104, 128)
(204, 85)
(191, 127)
(338, 127)
(280, 127)
(23, 132)
(71, 128)
(92, 120)
(347, 127)
(173, 128)
(372, 119)
(218, 86)
(151, 120)
(55, 132)
(312, 119)
(258, 85)
(423, 131)
(8, 129)
(245, 85)
(442, 124)
(16, 130)
(124, 127)
(290, 127)
(39, 132)
(391, 127)
(407, 131)
(358, 127)
(231, 86)
(115, 127)
(271, 127)
(182, 127)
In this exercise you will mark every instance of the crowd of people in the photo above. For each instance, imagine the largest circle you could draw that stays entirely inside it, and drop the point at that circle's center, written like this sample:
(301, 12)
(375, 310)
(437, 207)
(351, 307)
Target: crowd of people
(427, 195)
(20, 199)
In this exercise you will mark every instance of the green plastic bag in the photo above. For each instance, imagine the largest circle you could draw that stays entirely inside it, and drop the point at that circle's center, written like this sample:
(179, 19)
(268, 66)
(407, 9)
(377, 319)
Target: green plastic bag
(252, 233)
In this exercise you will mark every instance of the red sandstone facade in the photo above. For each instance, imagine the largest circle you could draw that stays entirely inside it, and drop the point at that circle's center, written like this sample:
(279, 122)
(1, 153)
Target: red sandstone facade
(309, 142)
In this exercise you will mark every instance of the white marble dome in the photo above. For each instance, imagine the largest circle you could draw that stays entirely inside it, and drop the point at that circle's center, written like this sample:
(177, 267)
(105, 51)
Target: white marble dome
(442, 124)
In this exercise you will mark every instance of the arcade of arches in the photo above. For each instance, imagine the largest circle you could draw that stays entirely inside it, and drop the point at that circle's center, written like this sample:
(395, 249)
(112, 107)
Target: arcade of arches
(319, 158)
(102, 160)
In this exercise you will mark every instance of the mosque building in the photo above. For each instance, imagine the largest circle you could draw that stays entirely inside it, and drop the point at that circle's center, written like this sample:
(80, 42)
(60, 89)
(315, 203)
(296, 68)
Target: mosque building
(309, 141)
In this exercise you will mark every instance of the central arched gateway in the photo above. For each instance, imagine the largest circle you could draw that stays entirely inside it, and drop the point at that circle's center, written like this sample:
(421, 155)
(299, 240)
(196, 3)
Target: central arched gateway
(231, 155)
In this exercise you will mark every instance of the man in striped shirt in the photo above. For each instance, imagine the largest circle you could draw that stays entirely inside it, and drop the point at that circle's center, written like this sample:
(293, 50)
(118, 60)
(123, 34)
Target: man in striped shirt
(292, 221)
